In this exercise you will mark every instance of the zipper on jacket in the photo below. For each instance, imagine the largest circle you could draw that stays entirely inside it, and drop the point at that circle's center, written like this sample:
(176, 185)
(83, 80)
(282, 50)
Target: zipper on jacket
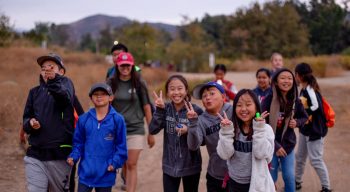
(98, 125)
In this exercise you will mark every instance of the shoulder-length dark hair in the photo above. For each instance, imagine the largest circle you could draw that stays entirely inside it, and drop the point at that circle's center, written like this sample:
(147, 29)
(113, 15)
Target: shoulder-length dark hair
(305, 73)
(135, 81)
(238, 123)
(291, 96)
(183, 80)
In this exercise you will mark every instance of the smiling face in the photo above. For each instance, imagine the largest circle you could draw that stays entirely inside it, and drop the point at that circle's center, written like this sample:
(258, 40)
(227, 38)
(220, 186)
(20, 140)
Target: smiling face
(125, 70)
(101, 98)
(263, 80)
(245, 108)
(285, 82)
(176, 91)
(212, 100)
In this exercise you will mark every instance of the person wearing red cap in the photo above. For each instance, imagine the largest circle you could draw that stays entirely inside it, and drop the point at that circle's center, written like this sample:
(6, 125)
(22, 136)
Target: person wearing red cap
(132, 101)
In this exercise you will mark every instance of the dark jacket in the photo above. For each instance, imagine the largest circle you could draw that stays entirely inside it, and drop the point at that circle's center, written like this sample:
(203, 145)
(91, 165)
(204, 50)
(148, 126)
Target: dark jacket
(315, 127)
(51, 104)
(178, 160)
(288, 139)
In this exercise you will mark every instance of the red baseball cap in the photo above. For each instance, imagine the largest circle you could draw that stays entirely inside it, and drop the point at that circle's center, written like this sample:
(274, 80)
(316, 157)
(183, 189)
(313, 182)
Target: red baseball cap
(125, 58)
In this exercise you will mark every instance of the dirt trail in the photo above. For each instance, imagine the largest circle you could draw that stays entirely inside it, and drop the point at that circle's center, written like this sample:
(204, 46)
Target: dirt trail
(337, 152)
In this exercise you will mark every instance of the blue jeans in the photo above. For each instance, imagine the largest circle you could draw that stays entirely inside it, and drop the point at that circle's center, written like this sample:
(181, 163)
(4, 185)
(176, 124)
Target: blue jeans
(287, 165)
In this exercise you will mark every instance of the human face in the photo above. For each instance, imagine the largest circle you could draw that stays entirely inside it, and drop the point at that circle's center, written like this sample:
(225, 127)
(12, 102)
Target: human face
(115, 54)
(245, 108)
(212, 100)
(285, 81)
(277, 62)
(219, 74)
(176, 91)
(100, 98)
(49, 69)
(125, 70)
(263, 80)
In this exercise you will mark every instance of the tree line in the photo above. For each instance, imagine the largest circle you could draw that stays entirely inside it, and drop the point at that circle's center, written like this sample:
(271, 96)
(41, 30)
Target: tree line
(293, 28)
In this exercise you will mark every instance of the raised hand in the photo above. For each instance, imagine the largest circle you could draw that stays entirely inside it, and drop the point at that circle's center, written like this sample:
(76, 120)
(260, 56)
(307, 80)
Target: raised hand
(191, 114)
(158, 100)
(262, 116)
(224, 120)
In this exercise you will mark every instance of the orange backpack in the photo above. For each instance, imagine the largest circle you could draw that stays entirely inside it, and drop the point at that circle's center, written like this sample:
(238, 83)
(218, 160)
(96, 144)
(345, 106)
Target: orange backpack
(328, 113)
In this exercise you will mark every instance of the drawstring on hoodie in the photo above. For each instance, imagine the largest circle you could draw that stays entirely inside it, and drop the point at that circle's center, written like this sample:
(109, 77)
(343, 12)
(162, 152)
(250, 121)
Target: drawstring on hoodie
(178, 125)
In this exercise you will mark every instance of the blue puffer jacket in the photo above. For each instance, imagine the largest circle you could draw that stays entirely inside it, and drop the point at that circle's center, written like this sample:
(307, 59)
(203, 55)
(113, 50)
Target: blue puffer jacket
(99, 144)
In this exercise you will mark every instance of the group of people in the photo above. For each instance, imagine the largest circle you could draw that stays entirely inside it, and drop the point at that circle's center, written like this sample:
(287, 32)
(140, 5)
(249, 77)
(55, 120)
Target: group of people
(247, 141)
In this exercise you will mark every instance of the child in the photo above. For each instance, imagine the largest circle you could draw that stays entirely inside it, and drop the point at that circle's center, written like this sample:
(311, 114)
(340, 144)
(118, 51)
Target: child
(48, 119)
(263, 88)
(311, 137)
(204, 130)
(276, 62)
(247, 145)
(99, 142)
(286, 113)
(230, 88)
(178, 162)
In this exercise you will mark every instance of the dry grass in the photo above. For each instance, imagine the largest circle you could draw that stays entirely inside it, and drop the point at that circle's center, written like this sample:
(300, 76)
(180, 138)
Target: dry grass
(323, 66)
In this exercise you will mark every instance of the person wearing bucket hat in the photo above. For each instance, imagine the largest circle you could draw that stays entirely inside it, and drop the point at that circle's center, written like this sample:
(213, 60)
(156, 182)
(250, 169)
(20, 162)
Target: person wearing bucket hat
(205, 129)
(107, 146)
(132, 101)
(48, 119)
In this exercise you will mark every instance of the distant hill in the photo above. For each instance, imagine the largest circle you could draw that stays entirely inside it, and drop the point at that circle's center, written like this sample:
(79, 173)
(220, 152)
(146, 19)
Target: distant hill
(94, 24)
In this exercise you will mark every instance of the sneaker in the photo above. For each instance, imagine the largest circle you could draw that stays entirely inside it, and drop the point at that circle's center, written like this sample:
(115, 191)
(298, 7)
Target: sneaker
(324, 189)
(297, 185)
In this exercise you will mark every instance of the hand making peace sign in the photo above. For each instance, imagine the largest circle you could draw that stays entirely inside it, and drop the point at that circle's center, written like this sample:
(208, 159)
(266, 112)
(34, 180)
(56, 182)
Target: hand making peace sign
(224, 120)
(158, 100)
(191, 114)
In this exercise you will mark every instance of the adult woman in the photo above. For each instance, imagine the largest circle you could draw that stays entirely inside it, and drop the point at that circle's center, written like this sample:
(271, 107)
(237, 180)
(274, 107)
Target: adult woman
(132, 101)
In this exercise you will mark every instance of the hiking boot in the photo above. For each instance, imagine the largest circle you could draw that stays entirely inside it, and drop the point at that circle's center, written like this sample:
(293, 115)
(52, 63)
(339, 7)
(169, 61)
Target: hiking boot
(324, 189)
(297, 185)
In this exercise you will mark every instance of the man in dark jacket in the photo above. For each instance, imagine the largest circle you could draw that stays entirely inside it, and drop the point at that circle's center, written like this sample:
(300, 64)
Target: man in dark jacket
(48, 119)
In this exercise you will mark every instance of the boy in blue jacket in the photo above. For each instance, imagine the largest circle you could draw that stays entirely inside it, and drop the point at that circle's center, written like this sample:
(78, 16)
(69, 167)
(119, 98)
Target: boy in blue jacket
(99, 142)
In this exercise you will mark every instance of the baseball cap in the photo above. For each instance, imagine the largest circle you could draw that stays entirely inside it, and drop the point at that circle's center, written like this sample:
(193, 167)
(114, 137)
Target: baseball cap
(100, 86)
(125, 58)
(52, 57)
(119, 46)
(198, 90)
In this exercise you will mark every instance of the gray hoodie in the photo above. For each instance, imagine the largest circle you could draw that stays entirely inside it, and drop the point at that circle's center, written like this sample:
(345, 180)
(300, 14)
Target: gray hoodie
(178, 160)
(204, 130)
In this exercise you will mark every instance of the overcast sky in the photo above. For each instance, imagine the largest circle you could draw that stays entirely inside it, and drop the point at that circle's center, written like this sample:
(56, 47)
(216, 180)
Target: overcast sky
(24, 13)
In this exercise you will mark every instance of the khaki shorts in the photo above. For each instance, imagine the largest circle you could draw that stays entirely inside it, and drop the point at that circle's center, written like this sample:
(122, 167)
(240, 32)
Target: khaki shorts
(135, 141)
